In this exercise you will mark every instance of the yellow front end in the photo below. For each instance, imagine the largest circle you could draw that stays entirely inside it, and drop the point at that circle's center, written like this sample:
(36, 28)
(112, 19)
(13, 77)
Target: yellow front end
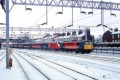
(88, 47)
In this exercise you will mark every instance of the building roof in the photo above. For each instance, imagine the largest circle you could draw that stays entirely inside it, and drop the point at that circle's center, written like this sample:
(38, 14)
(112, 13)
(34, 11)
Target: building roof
(116, 32)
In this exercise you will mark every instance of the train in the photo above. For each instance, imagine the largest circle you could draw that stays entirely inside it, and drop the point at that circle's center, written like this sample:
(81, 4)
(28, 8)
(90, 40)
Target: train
(72, 43)
(80, 46)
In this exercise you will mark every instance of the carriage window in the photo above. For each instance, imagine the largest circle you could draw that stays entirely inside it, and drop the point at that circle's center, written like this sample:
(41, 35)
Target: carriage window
(68, 33)
(79, 32)
(74, 33)
(63, 34)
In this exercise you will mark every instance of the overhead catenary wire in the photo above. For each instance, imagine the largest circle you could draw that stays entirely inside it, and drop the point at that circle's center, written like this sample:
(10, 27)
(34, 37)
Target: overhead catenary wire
(25, 19)
(41, 16)
(68, 21)
(110, 24)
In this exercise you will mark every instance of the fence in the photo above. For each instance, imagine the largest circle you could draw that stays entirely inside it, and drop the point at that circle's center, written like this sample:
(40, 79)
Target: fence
(114, 50)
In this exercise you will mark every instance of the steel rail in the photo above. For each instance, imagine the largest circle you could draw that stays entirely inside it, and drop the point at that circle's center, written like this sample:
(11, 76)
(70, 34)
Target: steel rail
(28, 78)
(51, 66)
(35, 67)
(65, 67)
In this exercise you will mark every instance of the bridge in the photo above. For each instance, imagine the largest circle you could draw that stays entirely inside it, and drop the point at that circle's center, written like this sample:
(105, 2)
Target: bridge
(32, 32)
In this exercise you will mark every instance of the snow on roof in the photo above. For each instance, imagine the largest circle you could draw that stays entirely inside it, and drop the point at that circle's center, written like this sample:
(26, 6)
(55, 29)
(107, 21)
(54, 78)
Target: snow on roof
(117, 32)
(81, 35)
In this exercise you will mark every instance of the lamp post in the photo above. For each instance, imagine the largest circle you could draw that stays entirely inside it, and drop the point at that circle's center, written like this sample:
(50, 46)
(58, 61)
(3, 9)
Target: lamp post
(102, 17)
(7, 34)
(46, 12)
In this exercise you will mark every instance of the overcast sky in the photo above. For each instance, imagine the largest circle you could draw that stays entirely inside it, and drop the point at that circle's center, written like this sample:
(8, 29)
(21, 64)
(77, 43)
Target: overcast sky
(21, 18)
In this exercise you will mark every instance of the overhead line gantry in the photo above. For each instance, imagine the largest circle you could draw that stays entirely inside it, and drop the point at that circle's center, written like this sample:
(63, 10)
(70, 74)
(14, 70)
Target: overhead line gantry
(71, 3)
(38, 29)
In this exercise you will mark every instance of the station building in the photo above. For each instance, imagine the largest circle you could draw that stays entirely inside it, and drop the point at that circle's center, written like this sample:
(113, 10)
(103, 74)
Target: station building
(111, 36)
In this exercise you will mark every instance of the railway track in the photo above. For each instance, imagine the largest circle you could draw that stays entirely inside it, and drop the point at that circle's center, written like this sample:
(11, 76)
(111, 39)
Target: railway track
(114, 60)
(101, 58)
(26, 72)
(95, 57)
(28, 78)
(52, 67)
(35, 57)
(75, 60)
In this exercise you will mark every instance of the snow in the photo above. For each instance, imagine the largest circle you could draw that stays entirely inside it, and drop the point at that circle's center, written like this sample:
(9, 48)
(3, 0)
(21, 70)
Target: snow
(58, 75)
(15, 73)
(97, 69)
(95, 64)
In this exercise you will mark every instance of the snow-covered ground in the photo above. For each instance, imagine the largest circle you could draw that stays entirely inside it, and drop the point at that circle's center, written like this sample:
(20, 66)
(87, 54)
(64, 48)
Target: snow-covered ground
(51, 65)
